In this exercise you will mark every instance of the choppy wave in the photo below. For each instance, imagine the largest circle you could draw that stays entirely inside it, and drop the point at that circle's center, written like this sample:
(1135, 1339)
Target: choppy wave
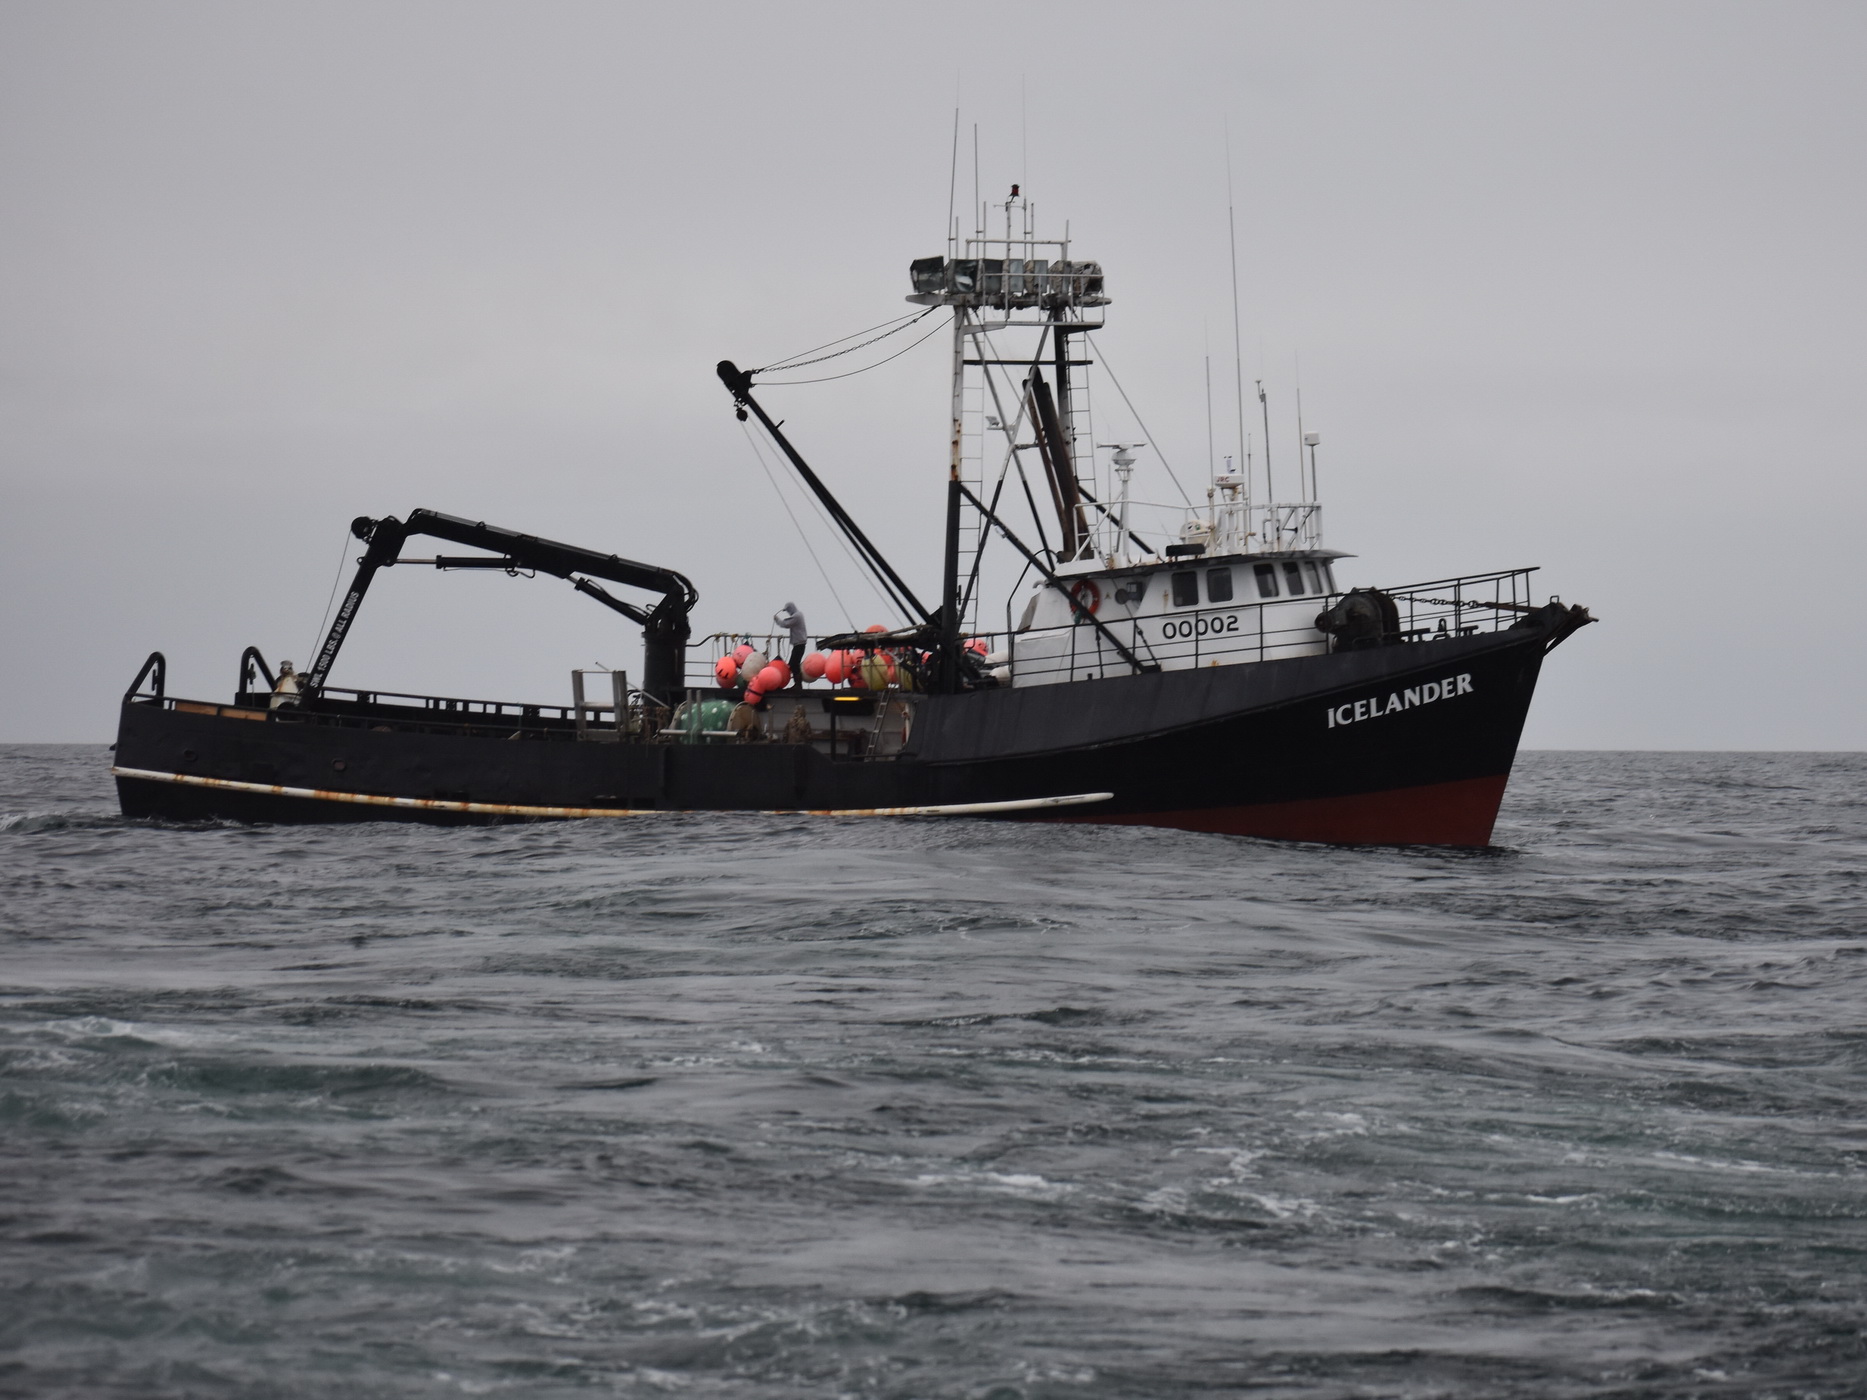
(741, 1107)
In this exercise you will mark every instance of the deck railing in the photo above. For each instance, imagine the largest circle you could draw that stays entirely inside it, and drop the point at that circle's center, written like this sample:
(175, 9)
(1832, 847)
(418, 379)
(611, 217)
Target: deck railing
(1462, 606)
(1227, 634)
(1435, 610)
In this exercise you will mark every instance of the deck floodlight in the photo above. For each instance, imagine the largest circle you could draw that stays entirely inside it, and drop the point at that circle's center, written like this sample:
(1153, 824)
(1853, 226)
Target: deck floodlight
(1007, 282)
(929, 274)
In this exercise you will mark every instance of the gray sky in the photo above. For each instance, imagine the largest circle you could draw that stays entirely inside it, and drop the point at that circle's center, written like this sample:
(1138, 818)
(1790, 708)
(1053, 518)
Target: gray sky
(1574, 285)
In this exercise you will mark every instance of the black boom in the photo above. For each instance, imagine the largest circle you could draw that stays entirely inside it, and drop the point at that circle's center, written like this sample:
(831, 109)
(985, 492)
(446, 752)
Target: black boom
(665, 627)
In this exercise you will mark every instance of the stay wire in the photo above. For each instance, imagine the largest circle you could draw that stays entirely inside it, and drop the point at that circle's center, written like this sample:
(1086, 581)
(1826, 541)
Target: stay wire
(1011, 458)
(343, 556)
(782, 366)
(1013, 455)
(862, 567)
(780, 383)
(1109, 370)
(804, 539)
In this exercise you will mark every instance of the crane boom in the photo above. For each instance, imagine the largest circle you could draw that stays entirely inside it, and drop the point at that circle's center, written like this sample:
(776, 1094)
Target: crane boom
(665, 627)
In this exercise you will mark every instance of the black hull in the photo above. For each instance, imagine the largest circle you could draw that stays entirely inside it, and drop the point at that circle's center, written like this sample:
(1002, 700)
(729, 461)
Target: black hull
(1276, 749)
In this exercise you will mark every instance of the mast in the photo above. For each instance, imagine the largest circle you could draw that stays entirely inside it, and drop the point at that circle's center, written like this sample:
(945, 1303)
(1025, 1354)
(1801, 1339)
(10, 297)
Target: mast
(1022, 311)
(947, 674)
(1061, 447)
(1059, 465)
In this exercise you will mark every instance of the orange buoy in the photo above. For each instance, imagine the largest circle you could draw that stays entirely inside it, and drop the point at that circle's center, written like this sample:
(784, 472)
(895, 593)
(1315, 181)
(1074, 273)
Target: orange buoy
(815, 666)
(773, 677)
(742, 651)
(726, 672)
(783, 668)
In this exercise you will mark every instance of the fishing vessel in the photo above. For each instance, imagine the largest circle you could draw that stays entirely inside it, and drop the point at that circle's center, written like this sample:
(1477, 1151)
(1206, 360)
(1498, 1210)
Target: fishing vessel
(1087, 655)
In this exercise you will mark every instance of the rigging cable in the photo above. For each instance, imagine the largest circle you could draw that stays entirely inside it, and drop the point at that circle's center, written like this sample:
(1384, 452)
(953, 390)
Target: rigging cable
(1013, 457)
(798, 525)
(780, 366)
(779, 383)
(1110, 371)
(343, 553)
(1012, 451)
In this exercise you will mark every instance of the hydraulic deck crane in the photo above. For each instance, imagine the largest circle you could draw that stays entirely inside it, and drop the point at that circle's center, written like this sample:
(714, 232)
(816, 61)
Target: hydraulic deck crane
(665, 628)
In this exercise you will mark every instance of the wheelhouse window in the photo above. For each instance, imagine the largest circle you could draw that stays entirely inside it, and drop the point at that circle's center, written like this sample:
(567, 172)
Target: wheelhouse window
(1186, 589)
(1218, 585)
(1293, 576)
(1315, 578)
(1267, 579)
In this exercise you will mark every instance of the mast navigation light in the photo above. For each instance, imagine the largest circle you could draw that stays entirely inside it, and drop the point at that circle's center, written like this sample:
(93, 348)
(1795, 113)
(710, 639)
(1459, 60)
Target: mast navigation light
(1311, 439)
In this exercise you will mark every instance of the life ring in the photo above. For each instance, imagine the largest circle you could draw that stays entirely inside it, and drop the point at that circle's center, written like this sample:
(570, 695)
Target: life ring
(1093, 599)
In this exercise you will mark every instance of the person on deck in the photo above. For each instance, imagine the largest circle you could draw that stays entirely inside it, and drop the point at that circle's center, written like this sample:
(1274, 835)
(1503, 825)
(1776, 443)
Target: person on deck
(792, 621)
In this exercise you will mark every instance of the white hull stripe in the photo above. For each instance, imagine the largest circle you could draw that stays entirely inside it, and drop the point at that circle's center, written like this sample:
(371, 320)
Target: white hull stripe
(501, 809)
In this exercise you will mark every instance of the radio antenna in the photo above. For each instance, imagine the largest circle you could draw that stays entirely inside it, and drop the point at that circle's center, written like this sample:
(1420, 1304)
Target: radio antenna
(1211, 460)
(1270, 488)
(1296, 360)
(1024, 135)
(1238, 354)
(978, 209)
(952, 186)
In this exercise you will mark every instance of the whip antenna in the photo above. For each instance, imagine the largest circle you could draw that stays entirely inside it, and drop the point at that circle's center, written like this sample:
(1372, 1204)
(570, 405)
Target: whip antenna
(1238, 354)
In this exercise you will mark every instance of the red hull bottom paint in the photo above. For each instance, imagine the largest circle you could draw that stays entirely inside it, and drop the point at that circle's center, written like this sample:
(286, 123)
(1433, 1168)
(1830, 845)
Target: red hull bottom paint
(1439, 814)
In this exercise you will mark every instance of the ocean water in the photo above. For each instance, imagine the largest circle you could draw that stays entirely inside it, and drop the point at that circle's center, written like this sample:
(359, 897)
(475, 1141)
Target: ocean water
(799, 1108)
